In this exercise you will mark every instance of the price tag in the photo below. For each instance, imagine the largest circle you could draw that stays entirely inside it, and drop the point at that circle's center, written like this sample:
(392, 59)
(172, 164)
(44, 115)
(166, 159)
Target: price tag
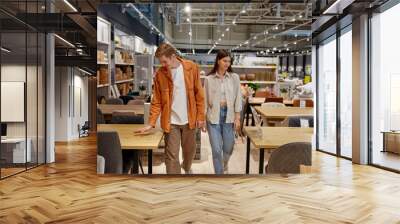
(302, 103)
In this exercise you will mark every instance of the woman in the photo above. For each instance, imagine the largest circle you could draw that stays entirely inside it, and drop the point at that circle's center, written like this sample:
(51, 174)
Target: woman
(223, 99)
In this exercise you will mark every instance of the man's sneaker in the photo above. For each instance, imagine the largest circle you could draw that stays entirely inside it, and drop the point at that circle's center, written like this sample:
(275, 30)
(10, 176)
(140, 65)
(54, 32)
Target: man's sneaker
(187, 172)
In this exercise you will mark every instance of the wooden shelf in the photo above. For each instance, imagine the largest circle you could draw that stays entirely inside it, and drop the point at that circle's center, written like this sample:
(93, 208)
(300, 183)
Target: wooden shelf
(259, 82)
(132, 64)
(102, 43)
(123, 81)
(103, 85)
(102, 63)
(124, 49)
(244, 66)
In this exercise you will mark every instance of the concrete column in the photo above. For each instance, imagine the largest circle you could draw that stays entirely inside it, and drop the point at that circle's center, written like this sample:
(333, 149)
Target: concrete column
(50, 98)
(360, 90)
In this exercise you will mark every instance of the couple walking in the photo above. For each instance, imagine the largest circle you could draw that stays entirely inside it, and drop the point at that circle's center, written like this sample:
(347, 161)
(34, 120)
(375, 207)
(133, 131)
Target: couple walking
(184, 105)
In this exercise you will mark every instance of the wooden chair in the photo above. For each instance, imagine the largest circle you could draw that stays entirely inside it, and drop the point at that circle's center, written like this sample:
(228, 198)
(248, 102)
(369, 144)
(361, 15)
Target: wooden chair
(289, 157)
(308, 102)
(262, 93)
(274, 99)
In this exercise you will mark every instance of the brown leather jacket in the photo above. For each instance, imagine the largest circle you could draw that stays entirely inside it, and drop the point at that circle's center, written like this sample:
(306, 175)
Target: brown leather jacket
(163, 92)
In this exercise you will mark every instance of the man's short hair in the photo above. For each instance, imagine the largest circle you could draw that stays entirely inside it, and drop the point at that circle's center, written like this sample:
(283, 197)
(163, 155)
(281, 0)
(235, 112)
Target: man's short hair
(165, 50)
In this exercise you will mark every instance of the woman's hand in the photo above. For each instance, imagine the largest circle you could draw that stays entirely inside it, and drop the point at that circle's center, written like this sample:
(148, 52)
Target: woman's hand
(237, 124)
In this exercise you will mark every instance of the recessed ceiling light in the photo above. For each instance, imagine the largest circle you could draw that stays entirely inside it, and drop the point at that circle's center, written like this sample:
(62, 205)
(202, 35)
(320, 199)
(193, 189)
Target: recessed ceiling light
(187, 20)
(227, 29)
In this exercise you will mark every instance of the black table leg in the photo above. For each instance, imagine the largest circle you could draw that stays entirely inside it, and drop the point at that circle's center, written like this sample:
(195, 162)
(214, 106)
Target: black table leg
(247, 115)
(248, 156)
(261, 166)
(150, 161)
(135, 162)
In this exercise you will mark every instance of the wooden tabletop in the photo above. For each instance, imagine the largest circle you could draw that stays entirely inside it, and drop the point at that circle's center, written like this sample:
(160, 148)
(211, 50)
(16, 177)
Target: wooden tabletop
(130, 140)
(257, 100)
(273, 137)
(284, 112)
(110, 108)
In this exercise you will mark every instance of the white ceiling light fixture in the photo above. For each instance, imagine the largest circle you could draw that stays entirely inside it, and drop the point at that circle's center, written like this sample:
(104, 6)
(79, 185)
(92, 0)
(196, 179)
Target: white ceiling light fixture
(255, 37)
(64, 40)
(227, 29)
(287, 49)
(274, 48)
(222, 34)
(219, 39)
(300, 16)
(243, 11)
(295, 43)
(187, 20)
(70, 5)
(234, 22)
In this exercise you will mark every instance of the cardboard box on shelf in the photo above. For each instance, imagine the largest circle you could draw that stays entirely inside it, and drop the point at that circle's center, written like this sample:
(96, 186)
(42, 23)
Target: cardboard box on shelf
(103, 76)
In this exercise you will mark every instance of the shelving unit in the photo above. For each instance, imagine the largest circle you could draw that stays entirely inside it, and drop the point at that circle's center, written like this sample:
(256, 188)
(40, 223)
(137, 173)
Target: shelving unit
(103, 57)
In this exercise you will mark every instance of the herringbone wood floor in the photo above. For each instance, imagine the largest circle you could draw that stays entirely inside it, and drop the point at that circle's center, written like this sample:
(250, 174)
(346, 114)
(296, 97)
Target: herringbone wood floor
(69, 191)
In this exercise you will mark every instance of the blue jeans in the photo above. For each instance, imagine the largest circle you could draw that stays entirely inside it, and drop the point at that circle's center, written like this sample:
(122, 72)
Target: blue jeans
(222, 139)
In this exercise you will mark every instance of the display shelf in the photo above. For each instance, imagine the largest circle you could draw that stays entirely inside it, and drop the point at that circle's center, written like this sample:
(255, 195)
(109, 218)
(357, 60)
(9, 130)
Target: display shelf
(103, 85)
(259, 82)
(121, 63)
(124, 81)
(102, 63)
(242, 66)
(124, 48)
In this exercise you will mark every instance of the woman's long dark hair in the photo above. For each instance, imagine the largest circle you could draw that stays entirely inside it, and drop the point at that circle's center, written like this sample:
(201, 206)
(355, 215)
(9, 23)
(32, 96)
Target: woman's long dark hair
(221, 54)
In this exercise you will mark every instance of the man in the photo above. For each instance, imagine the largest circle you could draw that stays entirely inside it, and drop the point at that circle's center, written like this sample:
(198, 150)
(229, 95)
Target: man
(179, 97)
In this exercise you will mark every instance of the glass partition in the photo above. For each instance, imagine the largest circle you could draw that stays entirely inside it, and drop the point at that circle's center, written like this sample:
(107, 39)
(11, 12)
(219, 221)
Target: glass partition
(22, 67)
(385, 89)
(346, 93)
(327, 95)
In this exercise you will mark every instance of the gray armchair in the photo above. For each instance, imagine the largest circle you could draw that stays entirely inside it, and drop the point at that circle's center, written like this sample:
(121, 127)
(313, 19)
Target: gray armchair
(289, 157)
(109, 147)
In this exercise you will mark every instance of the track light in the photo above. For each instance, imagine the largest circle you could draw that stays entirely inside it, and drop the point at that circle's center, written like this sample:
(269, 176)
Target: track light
(65, 41)
(5, 50)
(70, 5)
